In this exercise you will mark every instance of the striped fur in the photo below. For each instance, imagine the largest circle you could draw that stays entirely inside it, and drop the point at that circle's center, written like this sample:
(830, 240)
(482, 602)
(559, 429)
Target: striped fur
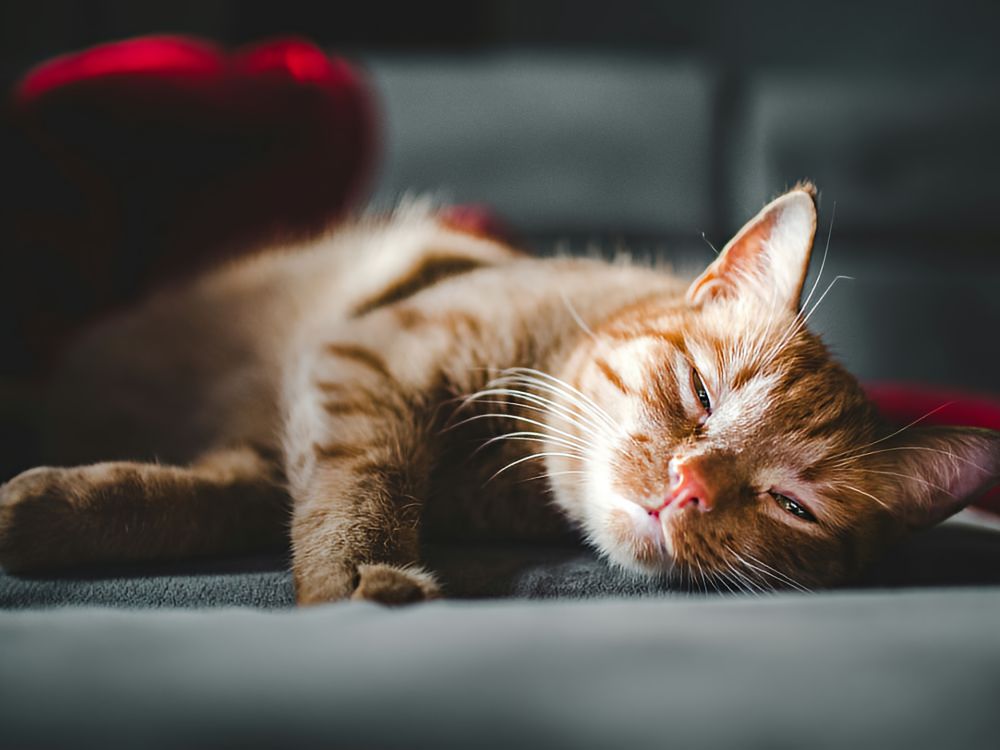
(402, 381)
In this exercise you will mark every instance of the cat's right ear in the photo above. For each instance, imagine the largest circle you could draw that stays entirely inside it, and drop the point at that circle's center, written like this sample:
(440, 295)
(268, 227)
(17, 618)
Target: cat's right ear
(768, 257)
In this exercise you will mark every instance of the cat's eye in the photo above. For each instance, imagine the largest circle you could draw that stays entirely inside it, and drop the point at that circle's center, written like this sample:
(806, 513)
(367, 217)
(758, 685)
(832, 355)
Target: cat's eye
(700, 391)
(792, 506)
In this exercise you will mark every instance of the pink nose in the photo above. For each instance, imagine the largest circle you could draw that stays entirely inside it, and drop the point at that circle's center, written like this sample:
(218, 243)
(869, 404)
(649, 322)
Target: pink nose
(687, 489)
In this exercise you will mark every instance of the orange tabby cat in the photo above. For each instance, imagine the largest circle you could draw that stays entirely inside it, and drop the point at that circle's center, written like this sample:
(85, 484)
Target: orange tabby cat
(360, 392)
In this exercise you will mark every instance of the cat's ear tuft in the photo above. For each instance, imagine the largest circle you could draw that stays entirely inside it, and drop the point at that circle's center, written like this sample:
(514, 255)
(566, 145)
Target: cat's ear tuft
(941, 470)
(768, 257)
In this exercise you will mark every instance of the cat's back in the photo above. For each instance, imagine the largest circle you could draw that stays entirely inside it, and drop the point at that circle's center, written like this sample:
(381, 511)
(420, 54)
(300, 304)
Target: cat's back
(200, 363)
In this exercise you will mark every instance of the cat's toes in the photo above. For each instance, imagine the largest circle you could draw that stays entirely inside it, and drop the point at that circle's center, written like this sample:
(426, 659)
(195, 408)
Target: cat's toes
(33, 505)
(388, 584)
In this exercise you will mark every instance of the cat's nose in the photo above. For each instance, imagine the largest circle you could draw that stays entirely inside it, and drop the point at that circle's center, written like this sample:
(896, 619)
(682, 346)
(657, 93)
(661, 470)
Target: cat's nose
(687, 488)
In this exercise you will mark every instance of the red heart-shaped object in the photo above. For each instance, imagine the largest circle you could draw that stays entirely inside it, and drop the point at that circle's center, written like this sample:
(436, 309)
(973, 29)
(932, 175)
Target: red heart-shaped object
(143, 160)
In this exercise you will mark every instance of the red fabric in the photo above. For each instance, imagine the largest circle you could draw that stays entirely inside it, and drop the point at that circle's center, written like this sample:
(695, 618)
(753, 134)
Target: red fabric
(173, 58)
(903, 404)
(146, 159)
(477, 220)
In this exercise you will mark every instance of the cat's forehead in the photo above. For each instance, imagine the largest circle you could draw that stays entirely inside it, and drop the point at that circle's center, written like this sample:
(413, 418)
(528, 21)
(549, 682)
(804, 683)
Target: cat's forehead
(775, 372)
(745, 347)
(765, 371)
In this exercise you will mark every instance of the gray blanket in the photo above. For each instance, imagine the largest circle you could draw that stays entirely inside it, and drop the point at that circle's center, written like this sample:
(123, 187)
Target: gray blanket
(964, 551)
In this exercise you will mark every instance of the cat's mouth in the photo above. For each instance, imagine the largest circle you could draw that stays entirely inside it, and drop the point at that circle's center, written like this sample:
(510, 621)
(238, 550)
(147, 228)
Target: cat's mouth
(679, 498)
(652, 521)
(641, 538)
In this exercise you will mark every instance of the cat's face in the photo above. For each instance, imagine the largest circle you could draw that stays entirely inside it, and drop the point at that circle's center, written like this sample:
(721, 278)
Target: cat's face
(725, 446)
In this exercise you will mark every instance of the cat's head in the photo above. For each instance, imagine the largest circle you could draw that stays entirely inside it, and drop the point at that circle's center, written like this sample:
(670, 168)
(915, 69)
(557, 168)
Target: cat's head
(724, 444)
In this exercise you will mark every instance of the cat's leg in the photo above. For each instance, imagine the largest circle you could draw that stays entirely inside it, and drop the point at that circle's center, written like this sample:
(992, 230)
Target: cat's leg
(359, 452)
(228, 502)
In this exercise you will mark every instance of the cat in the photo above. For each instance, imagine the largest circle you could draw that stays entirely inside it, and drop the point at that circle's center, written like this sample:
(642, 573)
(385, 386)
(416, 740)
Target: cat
(403, 380)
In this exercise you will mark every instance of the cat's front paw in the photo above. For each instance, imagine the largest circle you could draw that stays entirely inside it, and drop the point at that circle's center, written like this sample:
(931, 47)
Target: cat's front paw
(388, 584)
(376, 582)
(34, 506)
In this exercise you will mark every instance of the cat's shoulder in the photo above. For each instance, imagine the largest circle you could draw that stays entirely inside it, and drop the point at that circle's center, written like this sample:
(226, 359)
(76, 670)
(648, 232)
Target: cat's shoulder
(416, 238)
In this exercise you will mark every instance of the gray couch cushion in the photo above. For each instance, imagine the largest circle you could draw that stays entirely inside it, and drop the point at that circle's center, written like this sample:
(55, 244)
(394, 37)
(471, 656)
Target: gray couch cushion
(901, 156)
(881, 670)
(924, 319)
(552, 141)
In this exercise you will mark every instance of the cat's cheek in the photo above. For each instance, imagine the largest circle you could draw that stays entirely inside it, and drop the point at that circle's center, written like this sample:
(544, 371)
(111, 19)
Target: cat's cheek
(620, 529)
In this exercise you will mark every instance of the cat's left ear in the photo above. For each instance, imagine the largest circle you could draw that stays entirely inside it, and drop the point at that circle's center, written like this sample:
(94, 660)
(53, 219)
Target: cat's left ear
(768, 257)
(939, 470)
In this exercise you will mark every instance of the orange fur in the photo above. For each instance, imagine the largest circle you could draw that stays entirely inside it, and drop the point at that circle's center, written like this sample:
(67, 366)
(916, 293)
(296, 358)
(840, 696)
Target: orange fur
(401, 380)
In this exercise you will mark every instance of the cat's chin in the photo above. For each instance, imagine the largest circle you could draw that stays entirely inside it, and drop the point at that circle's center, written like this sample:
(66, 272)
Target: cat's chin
(637, 540)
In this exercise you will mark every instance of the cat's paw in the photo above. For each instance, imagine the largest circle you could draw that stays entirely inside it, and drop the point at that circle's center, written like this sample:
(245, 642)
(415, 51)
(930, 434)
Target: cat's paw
(34, 506)
(388, 584)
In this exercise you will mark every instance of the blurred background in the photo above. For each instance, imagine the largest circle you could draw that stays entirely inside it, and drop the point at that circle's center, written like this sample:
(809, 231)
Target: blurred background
(664, 125)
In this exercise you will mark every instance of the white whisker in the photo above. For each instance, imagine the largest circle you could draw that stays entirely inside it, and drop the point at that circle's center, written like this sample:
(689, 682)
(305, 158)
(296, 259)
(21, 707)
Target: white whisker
(553, 407)
(534, 437)
(822, 265)
(866, 494)
(766, 570)
(823, 296)
(550, 474)
(575, 406)
(516, 418)
(567, 389)
(891, 435)
(960, 459)
(576, 316)
(543, 454)
(912, 478)
(709, 243)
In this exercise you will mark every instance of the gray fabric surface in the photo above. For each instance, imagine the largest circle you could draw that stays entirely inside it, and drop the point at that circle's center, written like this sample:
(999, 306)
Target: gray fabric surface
(250, 582)
(965, 551)
(887, 670)
(522, 572)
